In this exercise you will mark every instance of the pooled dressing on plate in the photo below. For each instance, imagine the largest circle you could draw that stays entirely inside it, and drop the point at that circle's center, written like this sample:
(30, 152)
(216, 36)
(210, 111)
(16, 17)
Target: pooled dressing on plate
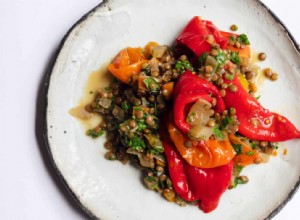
(96, 81)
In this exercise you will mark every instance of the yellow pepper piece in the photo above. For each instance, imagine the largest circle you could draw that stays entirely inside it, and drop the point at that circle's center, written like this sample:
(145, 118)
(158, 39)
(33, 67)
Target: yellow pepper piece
(244, 82)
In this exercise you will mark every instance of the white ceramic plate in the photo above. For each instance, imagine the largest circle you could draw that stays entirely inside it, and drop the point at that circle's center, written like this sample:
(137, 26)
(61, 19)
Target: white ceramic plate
(110, 190)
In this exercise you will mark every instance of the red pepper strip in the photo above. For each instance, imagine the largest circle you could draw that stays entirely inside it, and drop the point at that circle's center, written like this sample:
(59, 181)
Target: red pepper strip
(193, 183)
(220, 39)
(187, 89)
(208, 185)
(256, 122)
(195, 35)
(180, 104)
(177, 172)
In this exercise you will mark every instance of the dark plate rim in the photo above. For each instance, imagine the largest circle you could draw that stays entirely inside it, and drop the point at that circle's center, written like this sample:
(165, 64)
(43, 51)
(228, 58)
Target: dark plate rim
(45, 95)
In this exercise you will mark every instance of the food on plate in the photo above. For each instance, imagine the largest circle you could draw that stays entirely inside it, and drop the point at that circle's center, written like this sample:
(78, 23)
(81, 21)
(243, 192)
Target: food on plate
(187, 114)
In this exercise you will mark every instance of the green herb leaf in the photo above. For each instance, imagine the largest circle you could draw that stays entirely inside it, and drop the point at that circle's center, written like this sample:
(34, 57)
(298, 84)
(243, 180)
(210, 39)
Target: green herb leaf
(242, 38)
(218, 133)
(125, 106)
(225, 122)
(147, 70)
(230, 76)
(141, 125)
(151, 182)
(137, 143)
(253, 145)
(155, 142)
(183, 65)
(202, 59)
(250, 153)
(238, 148)
(149, 82)
(239, 168)
(94, 134)
(234, 57)
(257, 97)
(137, 108)
(239, 180)
(221, 58)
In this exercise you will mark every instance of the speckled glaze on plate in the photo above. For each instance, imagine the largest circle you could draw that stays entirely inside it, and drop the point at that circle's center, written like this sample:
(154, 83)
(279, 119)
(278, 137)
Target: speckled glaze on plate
(110, 190)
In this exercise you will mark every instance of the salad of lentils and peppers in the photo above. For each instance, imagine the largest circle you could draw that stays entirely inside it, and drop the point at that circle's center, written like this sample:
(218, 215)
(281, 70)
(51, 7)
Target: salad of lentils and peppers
(187, 115)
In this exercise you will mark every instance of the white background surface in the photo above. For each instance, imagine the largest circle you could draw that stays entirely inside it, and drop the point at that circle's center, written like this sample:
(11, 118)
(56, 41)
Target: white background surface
(30, 32)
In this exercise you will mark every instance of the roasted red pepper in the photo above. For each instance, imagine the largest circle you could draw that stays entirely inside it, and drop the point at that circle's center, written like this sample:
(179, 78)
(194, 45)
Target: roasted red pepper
(193, 183)
(196, 36)
(188, 89)
(256, 122)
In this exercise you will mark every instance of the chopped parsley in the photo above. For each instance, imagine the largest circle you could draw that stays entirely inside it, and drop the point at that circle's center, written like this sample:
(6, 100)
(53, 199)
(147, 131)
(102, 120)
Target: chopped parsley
(257, 97)
(141, 125)
(243, 39)
(137, 143)
(94, 134)
(253, 145)
(202, 59)
(239, 180)
(234, 57)
(147, 70)
(218, 133)
(230, 77)
(137, 108)
(151, 182)
(238, 148)
(239, 168)
(250, 153)
(183, 65)
(225, 122)
(125, 106)
(221, 58)
(151, 84)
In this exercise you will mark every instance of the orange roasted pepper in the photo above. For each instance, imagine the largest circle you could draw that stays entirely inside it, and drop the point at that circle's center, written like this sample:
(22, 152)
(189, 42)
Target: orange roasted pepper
(247, 156)
(204, 154)
(127, 64)
(148, 48)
